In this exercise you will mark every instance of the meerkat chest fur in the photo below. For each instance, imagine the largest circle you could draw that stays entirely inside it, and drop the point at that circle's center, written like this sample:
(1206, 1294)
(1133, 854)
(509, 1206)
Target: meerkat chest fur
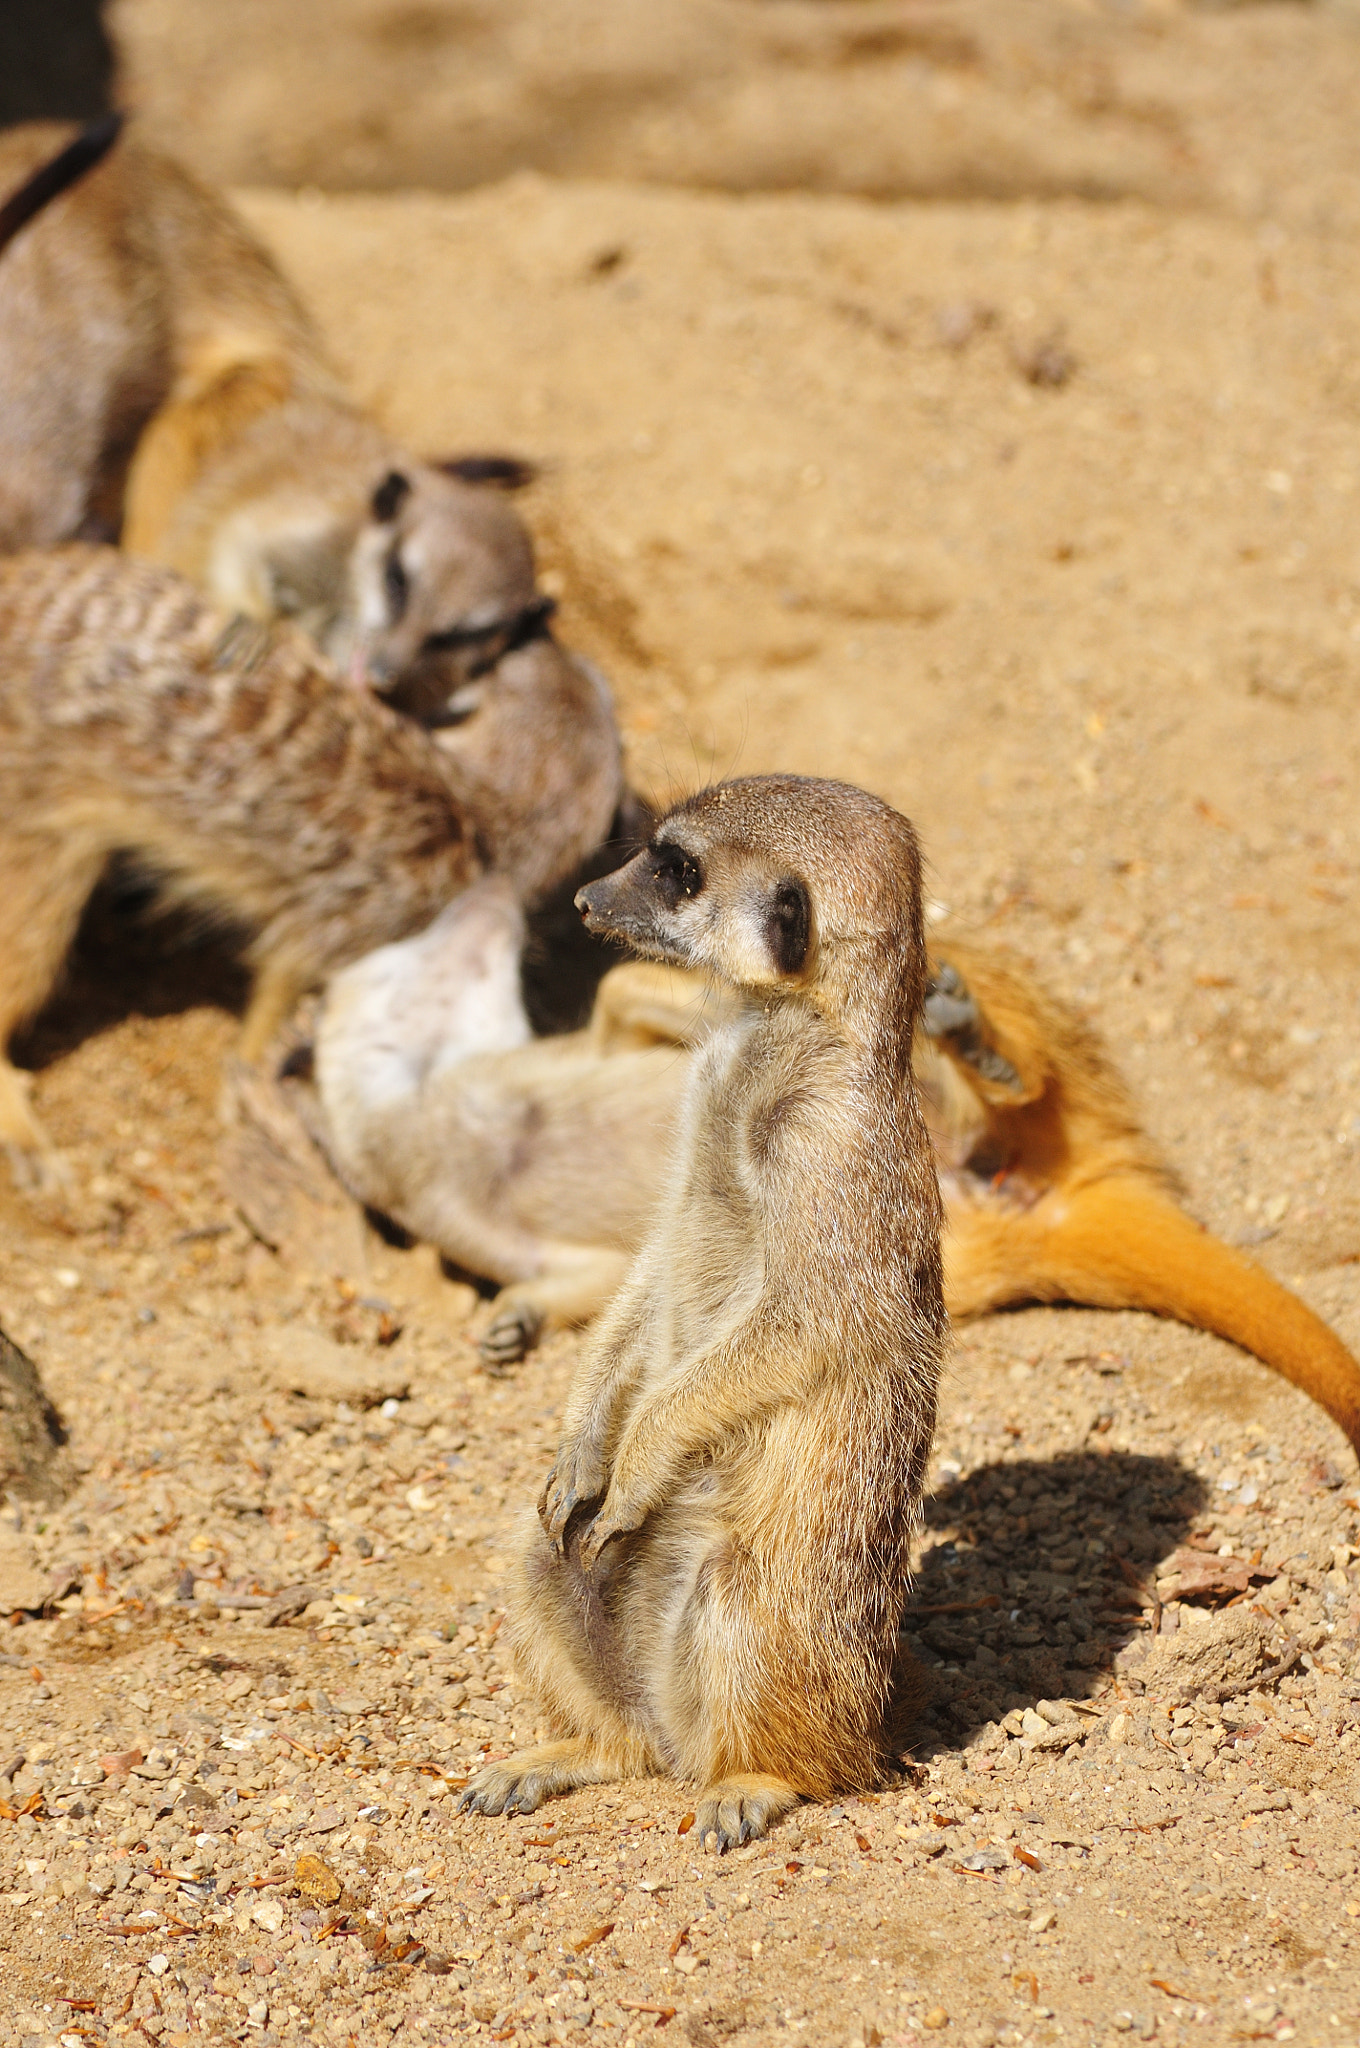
(794, 1191)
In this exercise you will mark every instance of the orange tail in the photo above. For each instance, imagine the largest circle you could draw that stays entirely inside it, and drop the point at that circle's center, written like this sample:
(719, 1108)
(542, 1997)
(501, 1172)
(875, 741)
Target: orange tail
(1121, 1243)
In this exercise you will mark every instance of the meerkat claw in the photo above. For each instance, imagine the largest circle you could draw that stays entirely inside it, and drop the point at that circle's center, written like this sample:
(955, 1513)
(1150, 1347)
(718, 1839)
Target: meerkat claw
(555, 1510)
(498, 1790)
(619, 1521)
(575, 1480)
(740, 1810)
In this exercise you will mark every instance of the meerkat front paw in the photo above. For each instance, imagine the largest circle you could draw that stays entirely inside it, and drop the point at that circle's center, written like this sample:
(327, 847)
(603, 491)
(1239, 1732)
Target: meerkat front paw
(617, 1517)
(577, 1478)
(738, 1810)
(513, 1786)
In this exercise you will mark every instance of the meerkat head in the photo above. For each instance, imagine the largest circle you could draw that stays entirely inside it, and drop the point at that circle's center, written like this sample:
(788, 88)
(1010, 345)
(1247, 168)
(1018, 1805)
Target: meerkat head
(441, 583)
(775, 882)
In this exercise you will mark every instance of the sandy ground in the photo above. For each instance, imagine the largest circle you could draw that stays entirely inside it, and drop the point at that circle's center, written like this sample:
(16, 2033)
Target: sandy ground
(1038, 517)
(1242, 109)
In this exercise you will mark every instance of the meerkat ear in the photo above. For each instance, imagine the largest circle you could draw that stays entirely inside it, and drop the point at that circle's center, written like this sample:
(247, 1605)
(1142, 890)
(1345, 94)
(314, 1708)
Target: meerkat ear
(390, 496)
(788, 925)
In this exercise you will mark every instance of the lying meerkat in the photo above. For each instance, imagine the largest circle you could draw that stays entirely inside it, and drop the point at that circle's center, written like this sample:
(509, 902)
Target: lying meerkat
(535, 1162)
(248, 779)
(715, 1588)
(161, 380)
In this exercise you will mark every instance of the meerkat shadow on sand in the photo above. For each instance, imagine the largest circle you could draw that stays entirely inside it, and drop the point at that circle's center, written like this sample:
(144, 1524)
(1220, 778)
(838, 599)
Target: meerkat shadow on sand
(136, 956)
(1037, 1576)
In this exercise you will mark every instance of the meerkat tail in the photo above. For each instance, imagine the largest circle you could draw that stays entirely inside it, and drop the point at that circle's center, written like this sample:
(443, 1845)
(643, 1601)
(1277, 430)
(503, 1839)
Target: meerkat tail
(53, 178)
(1121, 1243)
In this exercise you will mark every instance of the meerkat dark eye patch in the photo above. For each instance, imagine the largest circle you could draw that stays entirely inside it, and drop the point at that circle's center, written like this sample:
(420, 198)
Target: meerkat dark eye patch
(788, 925)
(390, 496)
(676, 874)
(397, 585)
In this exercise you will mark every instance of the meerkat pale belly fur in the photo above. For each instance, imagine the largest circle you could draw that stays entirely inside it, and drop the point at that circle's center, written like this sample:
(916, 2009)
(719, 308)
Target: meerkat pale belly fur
(230, 760)
(518, 1159)
(715, 1586)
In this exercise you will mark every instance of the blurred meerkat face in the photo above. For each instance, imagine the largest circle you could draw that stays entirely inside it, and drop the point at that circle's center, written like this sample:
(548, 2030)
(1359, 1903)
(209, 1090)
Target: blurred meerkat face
(441, 574)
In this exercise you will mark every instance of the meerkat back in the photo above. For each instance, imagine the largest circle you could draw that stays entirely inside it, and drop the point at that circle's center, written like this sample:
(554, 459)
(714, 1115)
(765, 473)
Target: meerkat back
(85, 343)
(232, 762)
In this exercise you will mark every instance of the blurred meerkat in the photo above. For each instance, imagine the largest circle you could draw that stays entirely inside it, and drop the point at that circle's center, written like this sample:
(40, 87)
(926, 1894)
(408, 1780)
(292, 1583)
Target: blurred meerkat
(536, 1162)
(161, 380)
(715, 1587)
(247, 778)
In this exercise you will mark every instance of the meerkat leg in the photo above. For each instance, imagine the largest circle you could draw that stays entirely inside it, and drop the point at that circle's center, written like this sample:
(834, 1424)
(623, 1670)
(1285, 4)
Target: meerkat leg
(45, 887)
(554, 1300)
(522, 1782)
(714, 1696)
(592, 1421)
(279, 987)
(567, 1653)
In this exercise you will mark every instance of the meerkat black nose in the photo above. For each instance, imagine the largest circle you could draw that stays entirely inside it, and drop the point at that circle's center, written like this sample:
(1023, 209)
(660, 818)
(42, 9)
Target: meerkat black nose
(585, 903)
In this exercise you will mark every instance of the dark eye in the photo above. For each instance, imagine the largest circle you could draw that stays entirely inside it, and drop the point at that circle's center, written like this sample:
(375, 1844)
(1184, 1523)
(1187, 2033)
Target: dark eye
(677, 874)
(398, 587)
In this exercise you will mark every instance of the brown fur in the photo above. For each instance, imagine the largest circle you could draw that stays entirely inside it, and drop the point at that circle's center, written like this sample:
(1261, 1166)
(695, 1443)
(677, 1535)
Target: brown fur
(537, 1166)
(163, 380)
(723, 1557)
(57, 175)
(119, 282)
(233, 763)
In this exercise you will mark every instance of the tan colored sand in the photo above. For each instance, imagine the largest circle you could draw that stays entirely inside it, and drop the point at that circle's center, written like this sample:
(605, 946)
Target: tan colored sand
(1102, 639)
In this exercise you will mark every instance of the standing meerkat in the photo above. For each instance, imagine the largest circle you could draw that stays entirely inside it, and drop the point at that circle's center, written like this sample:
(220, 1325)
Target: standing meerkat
(715, 1587)
(247, 778)
(159, 379)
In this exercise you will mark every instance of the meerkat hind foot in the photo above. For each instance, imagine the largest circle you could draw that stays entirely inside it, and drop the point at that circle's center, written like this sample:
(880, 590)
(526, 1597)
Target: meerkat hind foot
(510, 1336)
(38, 1170)
(521, 1783)
(738, 1810)
(35, 1165)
